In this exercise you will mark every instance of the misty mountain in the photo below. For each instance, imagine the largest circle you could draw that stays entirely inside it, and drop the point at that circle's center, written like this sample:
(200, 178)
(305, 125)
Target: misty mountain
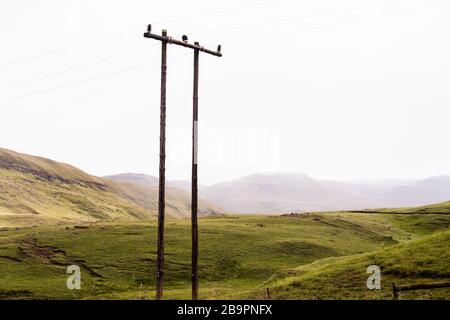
(282, 192)
(151, 181)
(427, 191)
(274, 193)
(137, 178)
(297, 192)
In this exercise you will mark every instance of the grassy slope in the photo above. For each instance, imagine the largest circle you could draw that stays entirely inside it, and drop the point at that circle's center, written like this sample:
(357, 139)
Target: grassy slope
(238, 254)
(36, 190)
(443, 208)
(419, 261)
(421, 225)
(26, 199)
(426, 259)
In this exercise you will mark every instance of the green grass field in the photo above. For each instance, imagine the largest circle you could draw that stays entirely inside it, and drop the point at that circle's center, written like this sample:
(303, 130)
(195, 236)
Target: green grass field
(311, 256)
(420, 261)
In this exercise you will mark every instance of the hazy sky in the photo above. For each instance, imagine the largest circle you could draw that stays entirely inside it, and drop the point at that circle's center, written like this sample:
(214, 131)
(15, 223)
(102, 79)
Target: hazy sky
(335, 89)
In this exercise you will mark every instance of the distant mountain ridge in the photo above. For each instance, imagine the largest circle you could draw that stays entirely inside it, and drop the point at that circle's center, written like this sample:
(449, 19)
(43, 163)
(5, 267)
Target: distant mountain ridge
(41, 190)
(150, 181)
(296, 192)
(138, 178)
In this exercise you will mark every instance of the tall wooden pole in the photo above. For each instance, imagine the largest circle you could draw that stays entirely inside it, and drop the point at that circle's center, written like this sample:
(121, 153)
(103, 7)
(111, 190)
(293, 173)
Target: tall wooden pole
(162, 156)
(162, 172)
(194, 193)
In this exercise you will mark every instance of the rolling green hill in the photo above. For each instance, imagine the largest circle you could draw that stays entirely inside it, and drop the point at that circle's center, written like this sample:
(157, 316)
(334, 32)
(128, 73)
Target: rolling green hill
(240, 256)
(53, 215)
(438, 208)
(420, 261)
(35, 190)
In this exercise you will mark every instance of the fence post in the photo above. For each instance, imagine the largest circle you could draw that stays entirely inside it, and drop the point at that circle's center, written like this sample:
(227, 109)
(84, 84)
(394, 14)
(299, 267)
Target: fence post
(395, 291)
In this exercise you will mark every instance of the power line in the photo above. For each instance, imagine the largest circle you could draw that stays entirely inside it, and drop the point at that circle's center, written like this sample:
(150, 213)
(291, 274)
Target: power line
(263, 23)
(291, 32)
(132, 29)
(229, 43)
(210, 31)
(76, 67)
(112, 35)
(105, 75)
(334, 24)
(80, 44)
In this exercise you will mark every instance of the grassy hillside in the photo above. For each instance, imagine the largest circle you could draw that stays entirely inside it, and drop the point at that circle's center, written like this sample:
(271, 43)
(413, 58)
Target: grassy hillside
(36, 191)
(238, 254)
(420, 261)
(443, 208)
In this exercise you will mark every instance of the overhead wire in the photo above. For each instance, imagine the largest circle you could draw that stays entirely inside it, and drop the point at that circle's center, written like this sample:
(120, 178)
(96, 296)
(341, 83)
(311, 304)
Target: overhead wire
(76, 67)
(208, 31)
(245, 40)
(132, 29)
(105, 75)
(229, 43)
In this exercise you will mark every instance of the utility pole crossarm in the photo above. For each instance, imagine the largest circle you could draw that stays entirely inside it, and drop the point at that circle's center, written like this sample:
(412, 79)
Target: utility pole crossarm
(185, 44)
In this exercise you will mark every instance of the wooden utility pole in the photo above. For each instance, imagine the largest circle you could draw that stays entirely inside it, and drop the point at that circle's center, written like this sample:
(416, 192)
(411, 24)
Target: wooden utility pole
(162, 172)
(194, 191)
(194, 204)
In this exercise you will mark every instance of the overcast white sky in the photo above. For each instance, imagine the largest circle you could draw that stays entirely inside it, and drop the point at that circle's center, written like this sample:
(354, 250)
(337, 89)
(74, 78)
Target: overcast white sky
(335, 89)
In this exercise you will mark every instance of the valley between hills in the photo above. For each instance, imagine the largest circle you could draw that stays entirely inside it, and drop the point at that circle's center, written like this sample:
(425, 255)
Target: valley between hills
(53, 215)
